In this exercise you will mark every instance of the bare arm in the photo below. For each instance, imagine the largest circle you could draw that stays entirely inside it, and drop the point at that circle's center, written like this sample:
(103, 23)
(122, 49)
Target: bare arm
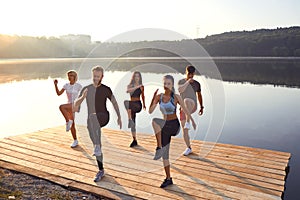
(132, 89)
(200, 102)
(79, 100)
(154, 102)
(116, 107)
(185, 110)
(143, 97)
(58, 92)
(182, 87)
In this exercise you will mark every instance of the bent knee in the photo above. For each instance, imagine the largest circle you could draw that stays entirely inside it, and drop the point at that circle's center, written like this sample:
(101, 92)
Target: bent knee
(154, 123)
(126, 104)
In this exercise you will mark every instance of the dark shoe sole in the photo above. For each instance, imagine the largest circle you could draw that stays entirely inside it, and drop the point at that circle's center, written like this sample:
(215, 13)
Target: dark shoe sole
(133, 144)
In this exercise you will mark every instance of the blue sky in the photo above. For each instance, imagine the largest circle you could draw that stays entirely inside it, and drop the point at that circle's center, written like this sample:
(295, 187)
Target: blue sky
(105, 19)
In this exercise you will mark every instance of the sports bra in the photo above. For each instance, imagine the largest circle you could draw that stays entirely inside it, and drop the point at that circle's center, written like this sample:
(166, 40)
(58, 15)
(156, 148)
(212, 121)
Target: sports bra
(136, 93)
(167, 108)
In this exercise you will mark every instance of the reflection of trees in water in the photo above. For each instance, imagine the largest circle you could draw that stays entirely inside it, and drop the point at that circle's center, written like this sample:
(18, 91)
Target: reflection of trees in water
(276, 72)
(284, 72)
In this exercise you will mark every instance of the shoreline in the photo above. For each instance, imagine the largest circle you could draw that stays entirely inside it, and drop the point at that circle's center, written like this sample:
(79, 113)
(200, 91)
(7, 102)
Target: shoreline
(17, 185)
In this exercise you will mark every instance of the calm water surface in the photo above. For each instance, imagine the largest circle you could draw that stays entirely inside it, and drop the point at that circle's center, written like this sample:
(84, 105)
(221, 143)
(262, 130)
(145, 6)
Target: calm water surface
(261, 116)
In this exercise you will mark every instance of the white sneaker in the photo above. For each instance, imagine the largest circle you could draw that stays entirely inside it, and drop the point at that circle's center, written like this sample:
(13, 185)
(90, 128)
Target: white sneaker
(187, 126)
(97, 150)
(187, 151)
(74, 144)
(69, 125)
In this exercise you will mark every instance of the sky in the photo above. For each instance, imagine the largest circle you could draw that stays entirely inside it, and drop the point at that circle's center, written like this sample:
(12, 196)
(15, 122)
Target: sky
(104, 19)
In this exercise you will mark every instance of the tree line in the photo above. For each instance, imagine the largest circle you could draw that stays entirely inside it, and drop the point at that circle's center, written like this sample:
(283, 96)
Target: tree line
(283, 42)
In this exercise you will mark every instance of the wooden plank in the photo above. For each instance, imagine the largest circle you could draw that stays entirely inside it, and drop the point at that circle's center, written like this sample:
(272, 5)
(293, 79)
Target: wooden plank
(229, 154)
(64, 182)
(282, 173)
(269, 153)
(228, 151)
(228, 171)
(62, 166)
(213, 152)
(192, 164)
(197, 191)
(243, 177)
(82, 178)
(48, 161)
(252, 162)
(275, 153)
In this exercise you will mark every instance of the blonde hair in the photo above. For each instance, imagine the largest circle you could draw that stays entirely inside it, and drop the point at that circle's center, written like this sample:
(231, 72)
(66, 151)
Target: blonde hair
(98, 68)
(74, 73)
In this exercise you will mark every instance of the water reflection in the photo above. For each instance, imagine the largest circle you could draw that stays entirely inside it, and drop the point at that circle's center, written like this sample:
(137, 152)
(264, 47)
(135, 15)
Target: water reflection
(275, 71)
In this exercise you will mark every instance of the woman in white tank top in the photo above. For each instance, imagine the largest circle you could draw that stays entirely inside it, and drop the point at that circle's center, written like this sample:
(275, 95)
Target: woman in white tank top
(72, 89)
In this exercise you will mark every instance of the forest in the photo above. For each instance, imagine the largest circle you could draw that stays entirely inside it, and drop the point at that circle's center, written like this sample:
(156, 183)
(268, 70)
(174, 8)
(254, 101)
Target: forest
(280, 42)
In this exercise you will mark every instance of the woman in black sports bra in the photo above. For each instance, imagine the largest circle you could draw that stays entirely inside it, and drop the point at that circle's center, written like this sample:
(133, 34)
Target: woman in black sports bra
(136, 90)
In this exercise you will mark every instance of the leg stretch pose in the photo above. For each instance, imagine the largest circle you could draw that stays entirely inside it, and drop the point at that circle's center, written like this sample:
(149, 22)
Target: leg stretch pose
(134, 106)
(169, 126)
(188, 89)
(72, 89)
(96, 95)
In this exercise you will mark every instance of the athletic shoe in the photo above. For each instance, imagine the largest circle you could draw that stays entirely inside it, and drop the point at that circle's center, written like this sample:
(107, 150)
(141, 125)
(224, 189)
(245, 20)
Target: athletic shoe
(187, 126)
(99, 175)
(187, 151)
(166, 183)
(133, 143)
(158, 153)
(97, 150)
(69, 125)
(130, 123)
(74, 144)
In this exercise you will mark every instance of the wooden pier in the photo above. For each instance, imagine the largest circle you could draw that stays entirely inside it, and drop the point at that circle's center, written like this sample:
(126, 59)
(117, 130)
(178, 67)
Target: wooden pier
(225, 172)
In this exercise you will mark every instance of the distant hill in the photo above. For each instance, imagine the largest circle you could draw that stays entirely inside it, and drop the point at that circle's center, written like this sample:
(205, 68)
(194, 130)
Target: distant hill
(263, 42)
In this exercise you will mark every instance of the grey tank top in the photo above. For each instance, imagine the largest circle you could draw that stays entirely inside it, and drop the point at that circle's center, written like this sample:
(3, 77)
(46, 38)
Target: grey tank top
(167, 108)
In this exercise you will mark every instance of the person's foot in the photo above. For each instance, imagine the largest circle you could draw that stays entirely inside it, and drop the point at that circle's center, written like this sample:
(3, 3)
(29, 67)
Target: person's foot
(158, 153)
(97, 150)
(166, 183)
(74, 144)
(133, 143)
(187, 126)
(99, 175)
(187, 151)
(130, 123)
(69, 125)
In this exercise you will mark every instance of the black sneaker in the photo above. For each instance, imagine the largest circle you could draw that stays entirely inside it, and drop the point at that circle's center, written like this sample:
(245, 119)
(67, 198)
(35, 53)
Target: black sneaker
(133, 143)
(166, 183)
(158, 153)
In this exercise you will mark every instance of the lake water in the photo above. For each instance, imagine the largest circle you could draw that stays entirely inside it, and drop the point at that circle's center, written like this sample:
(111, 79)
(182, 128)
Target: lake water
(255, 115)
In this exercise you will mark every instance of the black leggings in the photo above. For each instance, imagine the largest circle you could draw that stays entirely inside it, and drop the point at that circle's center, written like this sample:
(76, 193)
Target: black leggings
(169, 128)
(100, 164)
(135, 107)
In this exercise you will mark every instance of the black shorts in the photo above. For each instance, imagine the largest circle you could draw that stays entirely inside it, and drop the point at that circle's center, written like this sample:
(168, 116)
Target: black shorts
(134, 106)
(103, 118)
